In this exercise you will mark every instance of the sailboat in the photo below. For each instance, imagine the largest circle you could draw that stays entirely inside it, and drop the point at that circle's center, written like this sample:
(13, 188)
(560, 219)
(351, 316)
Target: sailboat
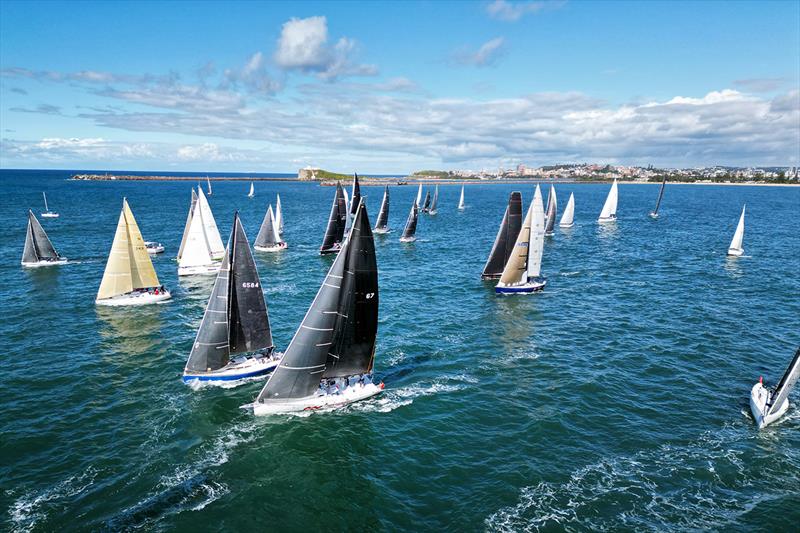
(279, 215)
(505, 239)
(426, 207)
(522, 271)
(410, 230)
(432, 208)
(208, 182)
(381, 224)
(334, 233)
(419, 196)
(252, 191)
(47, 213)
(654, 212)
(129, 278)
(768, 405)
(329, 361)
(39, 251)
(552, 211)
(461, 205)
(735, 249)
(235, 322)
(355, 198)
(609, 212)
(201, 246)
(567, 219)
(268, 238)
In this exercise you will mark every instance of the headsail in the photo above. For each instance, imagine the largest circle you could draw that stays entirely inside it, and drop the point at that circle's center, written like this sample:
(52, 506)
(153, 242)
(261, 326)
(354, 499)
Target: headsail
(268, 233)
(336, 222)
(505, 239)
(188, 224)
(786, 384)
(552, 211)
(567, 219)
(195, 249)
(279, 215)
(461, 199)
(610, 206)
(738, 236)
(411, 222)
(435, 201)
(419, 196)
(536, 246)
(349, 294)
(210, 225)
(356, 196)
(383, 214)
(660, 195)
(37, 244)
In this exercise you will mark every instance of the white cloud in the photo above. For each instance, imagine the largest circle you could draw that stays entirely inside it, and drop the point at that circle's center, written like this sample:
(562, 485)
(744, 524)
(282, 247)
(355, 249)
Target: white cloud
(513, 11)
(487, 55)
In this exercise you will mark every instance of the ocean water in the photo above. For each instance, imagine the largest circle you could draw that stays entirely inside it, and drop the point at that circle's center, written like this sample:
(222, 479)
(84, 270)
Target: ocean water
(614, 400)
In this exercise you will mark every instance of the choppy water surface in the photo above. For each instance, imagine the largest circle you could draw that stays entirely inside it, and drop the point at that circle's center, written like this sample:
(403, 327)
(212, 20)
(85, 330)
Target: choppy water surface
(616, 399)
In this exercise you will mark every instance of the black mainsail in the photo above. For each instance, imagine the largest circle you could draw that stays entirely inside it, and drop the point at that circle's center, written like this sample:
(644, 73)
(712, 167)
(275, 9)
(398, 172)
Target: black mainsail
(660, 195)
(552, 211)
(37, 245)
(411, 222)
(334, 233)
(427, 205)
(505, 239)
(383, 214)
(236, 319)
(355, 197)
(337, 335)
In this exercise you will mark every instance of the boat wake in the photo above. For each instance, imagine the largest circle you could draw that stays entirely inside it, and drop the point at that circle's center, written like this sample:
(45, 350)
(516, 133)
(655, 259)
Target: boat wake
(196, 384)
(570, 274)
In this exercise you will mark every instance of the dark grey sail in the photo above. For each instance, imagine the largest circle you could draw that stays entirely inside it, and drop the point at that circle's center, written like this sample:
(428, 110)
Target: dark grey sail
(236, 319)
(435, 200)
(353, 345)
(786, 384)
(411, 223)
(267, 232)
(505, 239)
(383, 214)
(355, 197)
(660, 195)
(37, 245)
(305, 360)
(427, 204)
(552, 212)
(334, 233)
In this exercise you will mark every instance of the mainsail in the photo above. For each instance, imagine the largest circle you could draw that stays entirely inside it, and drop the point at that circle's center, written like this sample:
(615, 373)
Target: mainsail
(195, 251)
(505, 239)
(236, 319)
(461, 199)
(210, 225)
(536, 246)
(268, 233)
(419, 196)
(356, 196)
(552, 211)
(337, 335)
(738, 236)
(660, 195)
(427, 205)
(336, 222)
(279, 215)
(383, 214)
(568, 217)
(786, 384)
(37, 245)
(610, 207)
(435, 201)
(188, 224)
(129, 266)
(411, 222)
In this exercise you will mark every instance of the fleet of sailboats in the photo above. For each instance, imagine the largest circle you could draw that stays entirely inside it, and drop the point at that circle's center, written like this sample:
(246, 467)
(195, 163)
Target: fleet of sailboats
(47, 213)
(522, 272)
(654, 212)
(770, 404)
(736, 249)
(268, 238)
(201, 246)
(329, 361)
(38, 250)
(568, 218)
(382, 222)
(129, 278)
(334, 233)
(505, 239)
(609, 212)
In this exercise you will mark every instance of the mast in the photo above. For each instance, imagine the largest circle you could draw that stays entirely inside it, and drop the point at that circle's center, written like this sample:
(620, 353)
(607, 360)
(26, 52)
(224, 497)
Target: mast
(328, 343)
(660, 195)
(336, 222)
(383, 213)
(506, 235)
(461, 199)
(568, 217)
(356, 196)
(411, 223)
(37, 244)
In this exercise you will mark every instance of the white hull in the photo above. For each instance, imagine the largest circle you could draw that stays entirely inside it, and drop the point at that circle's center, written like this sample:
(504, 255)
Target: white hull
(49, 215)
(38, 264)
(240, 368)
(134, 298)
(520, 288)
(735, 252)
(606, 220)
(201, 270)
(353, 393)
(653, 215)
(154, 248)
(276, 248)
(381, 231)
(759, 396)
(408, 239)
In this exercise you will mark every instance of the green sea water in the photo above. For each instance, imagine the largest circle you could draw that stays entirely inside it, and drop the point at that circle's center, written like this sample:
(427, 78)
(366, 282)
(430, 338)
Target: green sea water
(614, 400)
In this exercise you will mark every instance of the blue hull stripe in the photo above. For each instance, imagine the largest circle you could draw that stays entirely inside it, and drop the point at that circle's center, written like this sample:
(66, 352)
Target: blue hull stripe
(229, 377)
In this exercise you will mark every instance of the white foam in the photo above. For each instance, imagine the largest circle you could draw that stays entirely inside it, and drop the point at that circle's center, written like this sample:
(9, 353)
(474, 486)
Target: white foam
(29, 509)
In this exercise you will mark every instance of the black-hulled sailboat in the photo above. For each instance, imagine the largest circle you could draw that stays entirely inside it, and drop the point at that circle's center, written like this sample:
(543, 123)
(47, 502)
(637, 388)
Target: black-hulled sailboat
(551, 212)
(768, 404)
(410, 230)
(654, 212)
(234, 340)
(269, 238)
(382, 223)
(426, 206)
(505, 239)
(334, 233)
(39, 251)
(330, 359)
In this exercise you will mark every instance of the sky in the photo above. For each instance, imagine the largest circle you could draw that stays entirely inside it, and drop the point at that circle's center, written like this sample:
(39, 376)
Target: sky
(394, 87)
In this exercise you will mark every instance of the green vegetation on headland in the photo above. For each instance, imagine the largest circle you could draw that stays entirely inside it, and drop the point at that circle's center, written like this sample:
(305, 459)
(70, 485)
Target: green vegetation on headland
(318, 174)
(441, 174)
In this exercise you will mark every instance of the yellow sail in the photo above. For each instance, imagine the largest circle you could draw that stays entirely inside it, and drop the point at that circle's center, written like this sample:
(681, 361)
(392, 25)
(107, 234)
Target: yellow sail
(518, 260)
(143, 275)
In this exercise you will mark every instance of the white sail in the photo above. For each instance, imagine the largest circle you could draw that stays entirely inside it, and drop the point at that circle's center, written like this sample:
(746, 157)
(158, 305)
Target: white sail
(736, 243)
(208, 181)
(276, 234)
(346, 210)
(188, 224)
(46, 209)
(419, 195)
(252, 191)
(567, 219)
(210, 225)
(279, 215)
(609, 211)
(536, 246)
(196, 250)
(461, 199)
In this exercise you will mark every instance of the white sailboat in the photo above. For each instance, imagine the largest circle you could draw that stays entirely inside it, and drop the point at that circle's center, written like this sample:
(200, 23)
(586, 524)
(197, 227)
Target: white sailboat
(522, 272)
(609, 212)
(736, 249)
(567, 219)
(767, 404)
(252, 191)
(199, 251)
(154, 248)
(208, 182)
(419, 196)
(268, 239)
(279, 215)
(461, 205)
(129, 278)
(39, 251)
(47, 213)
(432, 210)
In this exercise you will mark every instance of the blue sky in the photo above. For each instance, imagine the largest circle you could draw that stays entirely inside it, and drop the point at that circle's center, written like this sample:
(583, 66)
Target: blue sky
(395, 87)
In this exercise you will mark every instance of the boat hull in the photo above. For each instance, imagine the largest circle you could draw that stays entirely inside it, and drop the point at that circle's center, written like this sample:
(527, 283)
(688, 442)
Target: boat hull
(39, 264)
(201, 270)
(566, 225)
(408, 239)
(352, 394)
(759, 396)
(606, 220)
(154, 248)
(49, 215)
(653, 215)
(735, 252)
(253, 367)
(381, 231)
(134, 299)
(276, 248)
(332, 250)
(522, 288)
